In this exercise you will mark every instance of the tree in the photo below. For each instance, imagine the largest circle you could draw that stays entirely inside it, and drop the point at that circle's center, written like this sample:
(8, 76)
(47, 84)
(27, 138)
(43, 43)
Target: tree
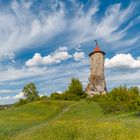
(74, 91)
(30, 92)
(75, 87)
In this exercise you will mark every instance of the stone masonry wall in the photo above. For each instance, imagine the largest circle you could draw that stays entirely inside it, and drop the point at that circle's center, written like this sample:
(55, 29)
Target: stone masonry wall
(97, 83)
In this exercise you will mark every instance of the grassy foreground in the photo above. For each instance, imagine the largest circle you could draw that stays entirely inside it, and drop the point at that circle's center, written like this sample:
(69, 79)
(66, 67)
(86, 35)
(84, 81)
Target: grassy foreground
(61, 120)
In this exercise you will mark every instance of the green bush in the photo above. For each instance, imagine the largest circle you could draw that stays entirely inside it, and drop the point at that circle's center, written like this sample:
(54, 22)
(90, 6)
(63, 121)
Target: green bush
(119, 99)
(44, 98)
(138, 111)
(21, 102)
(55, 96)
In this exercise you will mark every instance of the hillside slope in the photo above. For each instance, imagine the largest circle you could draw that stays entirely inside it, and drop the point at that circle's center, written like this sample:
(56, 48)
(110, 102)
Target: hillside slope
(15, 120)
(61, 120)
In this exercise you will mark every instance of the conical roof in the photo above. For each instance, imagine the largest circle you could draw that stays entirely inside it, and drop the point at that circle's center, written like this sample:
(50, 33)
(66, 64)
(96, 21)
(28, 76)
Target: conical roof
(97, 49)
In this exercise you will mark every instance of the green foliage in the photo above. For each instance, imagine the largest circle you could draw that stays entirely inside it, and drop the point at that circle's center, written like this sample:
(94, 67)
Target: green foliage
(21, 102)
(138, 111)
(56, 96)
(44, 98)
(30, 92)
(75, 87)
(119, 99)
(74, 92)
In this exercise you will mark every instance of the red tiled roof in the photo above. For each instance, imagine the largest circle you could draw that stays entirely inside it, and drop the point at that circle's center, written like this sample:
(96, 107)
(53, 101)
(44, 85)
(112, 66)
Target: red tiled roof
(96, 49)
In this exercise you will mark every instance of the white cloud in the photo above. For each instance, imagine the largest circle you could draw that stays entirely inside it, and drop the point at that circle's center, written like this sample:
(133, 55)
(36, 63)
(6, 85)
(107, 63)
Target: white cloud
(62, 48)
(132, 23)
(122, 61)
(11, 73)
(87, 27)
(6, 91)
(27, 29)
(10, 56)
(19, 96)
(78, 56)
(78, 48)
(36, 60)
(59, 55)
(11, 99)
(60, 92)
(108, 25)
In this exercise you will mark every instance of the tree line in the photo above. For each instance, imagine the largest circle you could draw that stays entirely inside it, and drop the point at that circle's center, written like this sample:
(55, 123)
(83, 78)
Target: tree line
(118, 99)
(74, 91)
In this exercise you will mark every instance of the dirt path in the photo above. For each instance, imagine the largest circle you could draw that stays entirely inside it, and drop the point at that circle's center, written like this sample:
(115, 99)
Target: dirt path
(53, 118)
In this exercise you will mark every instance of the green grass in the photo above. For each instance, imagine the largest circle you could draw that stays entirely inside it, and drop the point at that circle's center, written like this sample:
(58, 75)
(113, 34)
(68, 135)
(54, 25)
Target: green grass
(59, 120)
(14, 120)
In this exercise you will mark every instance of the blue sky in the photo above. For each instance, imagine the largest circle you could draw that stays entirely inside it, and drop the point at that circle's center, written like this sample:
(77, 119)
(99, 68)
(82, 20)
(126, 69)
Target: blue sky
(48, 41)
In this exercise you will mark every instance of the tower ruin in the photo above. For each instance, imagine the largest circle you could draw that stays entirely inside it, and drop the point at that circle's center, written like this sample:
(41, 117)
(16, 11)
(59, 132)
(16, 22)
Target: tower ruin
(97, 84)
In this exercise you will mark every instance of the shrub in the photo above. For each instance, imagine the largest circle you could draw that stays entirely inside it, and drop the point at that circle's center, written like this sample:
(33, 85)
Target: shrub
(55, 96)
(119, 99)
(44, 98)
(138, 111)
(21, 102)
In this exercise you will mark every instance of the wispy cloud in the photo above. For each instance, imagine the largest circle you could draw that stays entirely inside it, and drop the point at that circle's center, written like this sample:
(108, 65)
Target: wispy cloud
(109, 28)
(27, 29)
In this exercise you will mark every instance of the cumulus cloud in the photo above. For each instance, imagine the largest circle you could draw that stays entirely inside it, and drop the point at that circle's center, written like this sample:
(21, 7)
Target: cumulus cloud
(59, 55)
(122, 61)
(11, 99)
(78, 56)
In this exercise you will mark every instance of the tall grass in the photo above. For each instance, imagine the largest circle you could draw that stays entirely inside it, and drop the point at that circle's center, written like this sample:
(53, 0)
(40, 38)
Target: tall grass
(86, 121)
(85, 130)
(17, 119)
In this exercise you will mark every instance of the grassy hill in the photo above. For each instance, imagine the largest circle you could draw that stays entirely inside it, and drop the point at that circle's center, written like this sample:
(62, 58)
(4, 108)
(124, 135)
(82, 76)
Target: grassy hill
(66, 120)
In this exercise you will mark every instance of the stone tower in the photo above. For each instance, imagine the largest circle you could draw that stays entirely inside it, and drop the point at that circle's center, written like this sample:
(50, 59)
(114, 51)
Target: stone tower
(97, 83)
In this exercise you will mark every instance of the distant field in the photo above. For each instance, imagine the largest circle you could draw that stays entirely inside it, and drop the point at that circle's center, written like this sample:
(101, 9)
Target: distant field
(59, 120)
